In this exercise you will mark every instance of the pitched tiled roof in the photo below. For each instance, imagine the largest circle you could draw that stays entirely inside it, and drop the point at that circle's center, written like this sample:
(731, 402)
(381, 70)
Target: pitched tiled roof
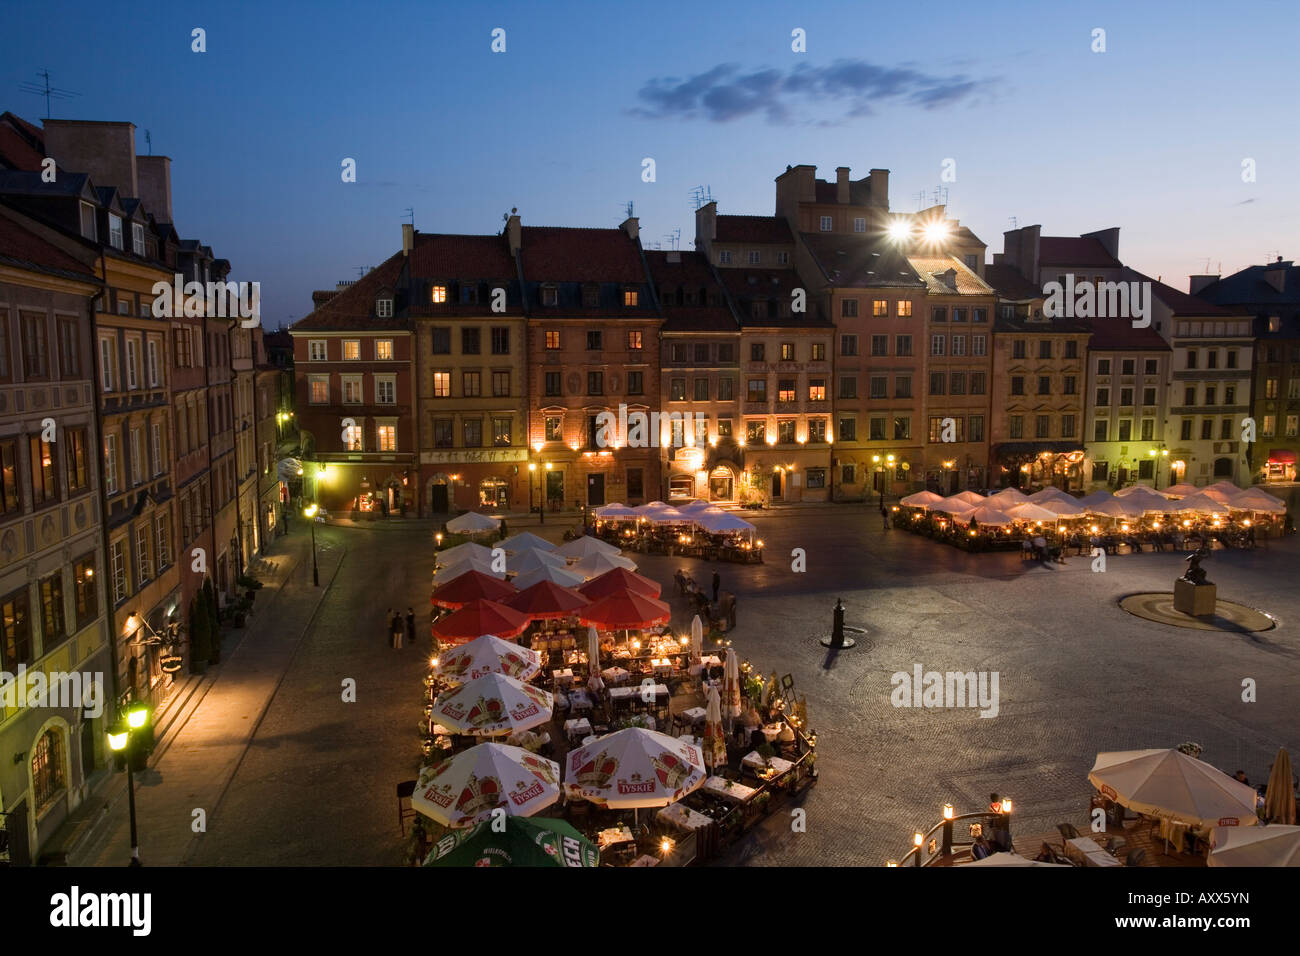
(24, 182)
(16, 152)
(853, 262)
(558, 254)
(25, 249)
(756, 229)
(746, 286)
(1180, 303)
(1249, 287)
(437, 256)
(691, 272)
(968, 282)
(1120, 334)
(354, 307)
(1009, 284)
(1074, 251)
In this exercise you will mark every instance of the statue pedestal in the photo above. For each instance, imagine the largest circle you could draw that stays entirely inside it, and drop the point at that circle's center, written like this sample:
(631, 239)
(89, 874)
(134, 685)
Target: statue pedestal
(1198, 600)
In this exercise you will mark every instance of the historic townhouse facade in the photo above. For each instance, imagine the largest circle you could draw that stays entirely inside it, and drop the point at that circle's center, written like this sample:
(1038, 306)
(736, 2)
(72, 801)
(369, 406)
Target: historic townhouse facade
(593, 342)
(272, 493)
(52, 606)
(355, 402)
(471, 371)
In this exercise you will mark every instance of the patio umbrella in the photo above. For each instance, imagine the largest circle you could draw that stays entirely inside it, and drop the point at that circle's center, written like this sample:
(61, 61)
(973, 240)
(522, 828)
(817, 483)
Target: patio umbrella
(970, 497)
(471, 586)
(1180, 490)
(531, 559)
(1132, 490)
(699, 504)
(485, 655)
(1279, 797)
(1062, 507)
(584, 547)
(987, 515)
(1051, 491)
(1256, 846)
(622, 612)
(634, 768)
(546, 599)
(466, 788)
(544, 841)
(1140, 496)
(1253, 499)
(616, 512)
(715, 743)
(461, 552)
(1031, 512)
(452, 571)
(731, 685)
(561, 576)
(471, 522)
(771, 690)
(598, 564)
(477, 618)
(1096, 498)
(1224, 486)
(1117, 508)
(593, 652)
(1009, 496)
(1012, 859)
(1172, 785)
(955, 505)
(697, 640)
(721, 521)
(525, 540)
(666, 516)
(1201, 503)
(1221, 495)
(652, 506)
(493, 705)
(618, 580)
(922, 499)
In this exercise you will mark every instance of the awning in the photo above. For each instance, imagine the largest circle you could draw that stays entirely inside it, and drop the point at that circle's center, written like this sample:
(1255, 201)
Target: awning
(1021, 449)
(1281, 456)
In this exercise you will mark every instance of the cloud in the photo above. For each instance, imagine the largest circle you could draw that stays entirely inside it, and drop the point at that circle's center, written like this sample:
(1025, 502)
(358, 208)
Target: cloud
(725, 93)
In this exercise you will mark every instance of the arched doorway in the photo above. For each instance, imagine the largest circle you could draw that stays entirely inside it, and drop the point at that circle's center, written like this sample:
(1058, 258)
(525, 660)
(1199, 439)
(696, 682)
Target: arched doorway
(722, 483)
(1223, 468)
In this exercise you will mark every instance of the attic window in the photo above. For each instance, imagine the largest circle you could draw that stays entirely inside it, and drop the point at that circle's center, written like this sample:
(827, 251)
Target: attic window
(439, 294)
(630, 297)
(384, 308)
(468, 293)
(1275, 323)
(550, 295)
(590, 296)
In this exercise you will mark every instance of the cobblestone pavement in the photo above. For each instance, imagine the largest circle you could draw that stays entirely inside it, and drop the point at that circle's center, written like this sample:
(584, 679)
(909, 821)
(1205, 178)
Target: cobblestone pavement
(1076, 676)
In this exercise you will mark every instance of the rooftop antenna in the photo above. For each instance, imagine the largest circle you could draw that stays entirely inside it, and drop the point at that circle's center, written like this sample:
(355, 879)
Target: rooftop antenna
(361, 271)
(628, 210)
(411, 214)
(702, 196)
(920, 200)
(47, 91)
(148, 138)
(1015, 223)
(674, 238)
(940, 191)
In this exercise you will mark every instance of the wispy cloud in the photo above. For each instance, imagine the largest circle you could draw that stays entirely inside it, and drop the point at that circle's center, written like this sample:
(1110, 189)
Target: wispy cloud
(858, 88)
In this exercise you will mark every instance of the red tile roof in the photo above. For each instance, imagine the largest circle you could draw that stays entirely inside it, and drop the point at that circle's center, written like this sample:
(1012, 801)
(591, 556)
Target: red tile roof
(693, 273)
(354, 307)
(1180, 303)
(1074, 251)
(26, 249)
(758, 229)
(1007, 281)
(559, 254)
(860, 262)
(1119, 334)
(437, 256)
(16, 152)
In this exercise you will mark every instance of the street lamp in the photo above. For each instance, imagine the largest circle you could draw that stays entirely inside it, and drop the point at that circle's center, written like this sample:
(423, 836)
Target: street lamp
(532, 466)
(310, 512)
(131, 749)
(881, 471)
(1155, 471)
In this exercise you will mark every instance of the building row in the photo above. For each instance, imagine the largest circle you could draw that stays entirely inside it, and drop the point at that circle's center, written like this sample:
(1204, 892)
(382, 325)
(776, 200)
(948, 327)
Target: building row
(137, 452)
(830, 352)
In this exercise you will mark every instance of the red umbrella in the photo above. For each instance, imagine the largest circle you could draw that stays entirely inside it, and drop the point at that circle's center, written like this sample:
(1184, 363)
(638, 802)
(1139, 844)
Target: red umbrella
(478, 618)
(617, 581)
(471, 586)
(625, 611)
(546, 599)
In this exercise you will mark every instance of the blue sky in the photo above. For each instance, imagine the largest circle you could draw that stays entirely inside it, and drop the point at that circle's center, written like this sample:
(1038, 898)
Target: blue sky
(1149, 135)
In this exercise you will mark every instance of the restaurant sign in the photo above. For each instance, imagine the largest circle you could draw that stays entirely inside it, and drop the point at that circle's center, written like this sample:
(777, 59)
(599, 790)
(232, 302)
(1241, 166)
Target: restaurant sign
(171, 663)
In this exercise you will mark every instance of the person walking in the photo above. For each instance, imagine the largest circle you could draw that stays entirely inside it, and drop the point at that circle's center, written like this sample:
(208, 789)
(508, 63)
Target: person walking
(397, 631)
(388, 623)
(410, 625)
(884, 517)
(717, 583)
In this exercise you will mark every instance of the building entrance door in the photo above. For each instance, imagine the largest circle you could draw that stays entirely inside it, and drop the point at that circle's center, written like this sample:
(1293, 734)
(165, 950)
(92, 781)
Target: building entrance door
(595, 491)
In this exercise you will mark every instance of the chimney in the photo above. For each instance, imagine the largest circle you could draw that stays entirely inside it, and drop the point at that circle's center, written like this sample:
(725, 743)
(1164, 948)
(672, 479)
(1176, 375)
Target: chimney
(706, 227)
(632, 226)
(1109, 239)
(674, 255)
(514, 233)
(842, 185)
(155, 174)
(879, 182)
(104, 150)
(1197, 283)
(1275, 274)
(408, 238)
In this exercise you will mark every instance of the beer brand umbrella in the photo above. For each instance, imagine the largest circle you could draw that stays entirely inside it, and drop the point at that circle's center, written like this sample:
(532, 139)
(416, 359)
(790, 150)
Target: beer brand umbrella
(1279, 795)
(545, 599)
(1256, 846)
(621, 612)
(715, 744)
(584, 547)
(616, 512)
(618, 580)
(525, 540)
(485, 655)
(731, 685)
(544, 841)
(1174, 786)
(466, 788)
(493, 705)
(471, 586)
(477, 618)
(634, 768)
(471, 522)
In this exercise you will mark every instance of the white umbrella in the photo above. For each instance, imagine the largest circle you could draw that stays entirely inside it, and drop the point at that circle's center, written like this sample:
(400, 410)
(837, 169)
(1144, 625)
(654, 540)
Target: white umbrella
(634, 768)
(1031, 512)
(1009, 496)
(1146, 499)
(487, 654)
(987, 515)
(593, 651)
(1051, 491)
(697, 640)
(1225, 486)
(1012, 859)
(471, 522)
(922, 499)
(1201, 502)
(451, 572)
(955, 505)
(525, 540)
(653, 506)
(557, 575)
(666, 516)
(715, 746)
(1273, 845)
(1180, 490)
(493, 705)
(731, 684)
(584, 547)
(615, 512)
(1221, 495)
(699, 504)
(532, 559)
(970, 497)
(598, 564)
(463, 551)
(722, 521)
(1096, 498)
(1174, 786)
(1253, 499)
(469, 787)
(1117, 508)
(1062, 507)
(1133, 490)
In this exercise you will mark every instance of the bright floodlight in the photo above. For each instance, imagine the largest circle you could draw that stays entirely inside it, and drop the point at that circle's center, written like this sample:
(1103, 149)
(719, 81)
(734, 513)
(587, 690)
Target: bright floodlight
(900, 229)
(936, 231)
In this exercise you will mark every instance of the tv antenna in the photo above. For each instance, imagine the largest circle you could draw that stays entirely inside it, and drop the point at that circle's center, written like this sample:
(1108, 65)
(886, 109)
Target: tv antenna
(1014, 222)
(628, 210)
(920, 200)
(361, 271)
(148, 138)
(674, 238)
(47, 91)
(410, 214)
(940, 191)
(702, 196)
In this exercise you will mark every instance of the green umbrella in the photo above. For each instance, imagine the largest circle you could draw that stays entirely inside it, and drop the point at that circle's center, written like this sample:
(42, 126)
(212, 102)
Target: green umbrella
(516, 841)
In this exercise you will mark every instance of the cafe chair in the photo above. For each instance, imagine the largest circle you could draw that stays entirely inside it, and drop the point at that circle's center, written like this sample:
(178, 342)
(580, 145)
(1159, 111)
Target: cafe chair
(405, 811)
(1068, 831)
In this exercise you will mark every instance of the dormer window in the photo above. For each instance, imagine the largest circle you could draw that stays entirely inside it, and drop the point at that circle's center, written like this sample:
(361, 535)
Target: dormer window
(590, 296)
(630, 297)
(137, 238)
(115, 231)
(468, 293)
(550, 295)
(384, 308)
(438, 295)
(88, 228)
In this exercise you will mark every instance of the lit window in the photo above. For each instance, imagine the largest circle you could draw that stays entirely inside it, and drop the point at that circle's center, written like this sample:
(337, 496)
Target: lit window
(439, 294)
(351, 349)
(552, 341)
(386, 435)
(441, 384)
(352, 438)
(630, 297)
(384, 349)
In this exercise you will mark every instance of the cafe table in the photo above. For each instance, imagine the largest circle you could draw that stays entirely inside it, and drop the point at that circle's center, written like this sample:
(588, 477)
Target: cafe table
(563, 678)
(772, 732)
(695, 715)
(712, 661)
(614, 675)
(728, 790)
(576, 727)
(579, 700)
(645, 860)
(1086, 851)
(683, 817)
(627, 693)
(754, 761)
(662, 666)
(692, 740)
(613, 835)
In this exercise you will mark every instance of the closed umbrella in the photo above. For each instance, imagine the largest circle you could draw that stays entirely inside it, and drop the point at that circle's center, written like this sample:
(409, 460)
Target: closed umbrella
(545, 841)
(715, 743)
(618, 580)
(477, 618)
(1174, 786)
(485, 655)
(731, 685)
(469, 787)
(492, 706)
(697, 640)
(561, 576)
(524, 541)
(1279, 797)
(471, 522)
(1256, 846)
(471, 586)
(593, 652)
